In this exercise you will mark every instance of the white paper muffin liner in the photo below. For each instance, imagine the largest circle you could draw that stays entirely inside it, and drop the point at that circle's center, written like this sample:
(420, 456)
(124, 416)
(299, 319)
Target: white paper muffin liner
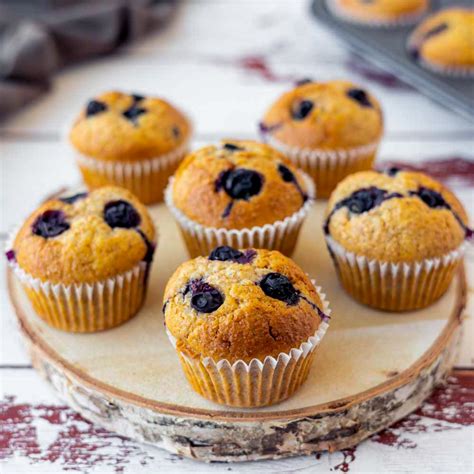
(147, 179)
(257, 383)
(280, 235)
(389, 286)
(86, 307)
(450, 71)
(403, 20)
(327, 167)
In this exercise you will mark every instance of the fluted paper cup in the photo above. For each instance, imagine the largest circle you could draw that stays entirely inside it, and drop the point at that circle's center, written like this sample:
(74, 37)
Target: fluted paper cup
(147, 179)
(280, 235)
(328, 167)
(87, 307)
(389, 286)
(403, 20)
(257, 383)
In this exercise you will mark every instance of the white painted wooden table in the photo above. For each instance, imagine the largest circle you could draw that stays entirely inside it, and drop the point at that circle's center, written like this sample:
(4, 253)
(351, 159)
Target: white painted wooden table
(223, 61)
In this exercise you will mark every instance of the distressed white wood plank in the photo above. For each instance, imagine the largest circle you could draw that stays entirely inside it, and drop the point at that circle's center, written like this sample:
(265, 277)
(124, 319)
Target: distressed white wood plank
(221, 98)
(48, 437)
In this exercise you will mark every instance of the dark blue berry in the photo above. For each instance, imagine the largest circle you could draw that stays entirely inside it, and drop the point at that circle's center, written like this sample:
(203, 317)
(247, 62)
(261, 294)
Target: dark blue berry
(242, 183)
(133, 113)
(225, 253)
(392, 171)
(360, 96)
(286, 174)
(72, 199)
(121, 214)
(431, 198)
(50, 224)
(11, 256)
(137, 97)
(95, 107)
(204, 297)
(176, 132)
(278, 286)
(232, 147)
(302, 110)
(435, 31)
(304, 81)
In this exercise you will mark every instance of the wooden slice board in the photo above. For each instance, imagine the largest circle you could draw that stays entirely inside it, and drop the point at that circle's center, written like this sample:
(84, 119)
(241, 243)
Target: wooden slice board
(371, 369)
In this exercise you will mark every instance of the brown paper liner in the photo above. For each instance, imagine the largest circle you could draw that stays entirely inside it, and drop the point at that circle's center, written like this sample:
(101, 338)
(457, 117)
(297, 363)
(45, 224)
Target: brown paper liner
(328, 167)
(257, 383)
(280, 235)
(394, 287)
(146, 179)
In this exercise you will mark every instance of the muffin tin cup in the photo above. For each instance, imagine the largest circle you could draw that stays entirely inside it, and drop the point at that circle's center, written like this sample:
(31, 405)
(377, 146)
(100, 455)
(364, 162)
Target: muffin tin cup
(257, 383)
(403, 20)
(280, 235)
(88, 307)
(328, 167)
(147, 179)
(394, 286)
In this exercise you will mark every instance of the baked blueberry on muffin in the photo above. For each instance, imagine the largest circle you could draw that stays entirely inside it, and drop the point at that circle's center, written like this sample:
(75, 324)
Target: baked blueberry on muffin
(397, 238)
(239, 193)
(379, 12)
(130, 140)
(328, 129)
(244, 311)
(84, 259)
(444, 42)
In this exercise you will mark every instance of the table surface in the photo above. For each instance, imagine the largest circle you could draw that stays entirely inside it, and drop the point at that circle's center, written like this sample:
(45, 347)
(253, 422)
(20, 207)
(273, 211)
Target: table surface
(223, 61)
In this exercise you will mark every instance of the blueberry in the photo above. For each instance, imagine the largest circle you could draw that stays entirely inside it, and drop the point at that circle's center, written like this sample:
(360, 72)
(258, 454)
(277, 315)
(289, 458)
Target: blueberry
(176, 132)
(133, 113)
(50, 224)
(94, 107)
(121, 214)
(303, 81)
(278, 286)
(225, 253)
(302, 110)
(204, 297)
(360, 96)
(11, 256)
(431, 198)
(286, 174)
(242, 183)
(365, 199)
(232, 147)
(435, 31)
(392, 171)
(137, 97)
(72, 199)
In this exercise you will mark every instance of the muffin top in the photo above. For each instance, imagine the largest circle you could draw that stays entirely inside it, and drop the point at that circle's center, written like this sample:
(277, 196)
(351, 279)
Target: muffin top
(128, 128)
(397, 216)
(324, 115)
(381, 10)
(445, 38)
(240, 184)
(241, 304)
(85, 238)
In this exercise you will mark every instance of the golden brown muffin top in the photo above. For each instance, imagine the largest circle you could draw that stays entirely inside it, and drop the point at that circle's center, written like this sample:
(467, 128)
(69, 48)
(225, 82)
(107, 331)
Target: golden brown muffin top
(239, 184)
(324, 115)
(85, 238)
(381, 10)
(241, 304)
(446, 38)
(397, 216)
(128, 128)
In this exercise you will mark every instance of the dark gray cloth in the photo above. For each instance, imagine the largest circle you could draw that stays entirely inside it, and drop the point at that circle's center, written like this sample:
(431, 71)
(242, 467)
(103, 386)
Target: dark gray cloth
(37, 37)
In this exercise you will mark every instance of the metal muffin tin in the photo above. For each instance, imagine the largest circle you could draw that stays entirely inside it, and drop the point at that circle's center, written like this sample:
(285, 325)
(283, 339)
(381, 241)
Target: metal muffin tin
(387, 47)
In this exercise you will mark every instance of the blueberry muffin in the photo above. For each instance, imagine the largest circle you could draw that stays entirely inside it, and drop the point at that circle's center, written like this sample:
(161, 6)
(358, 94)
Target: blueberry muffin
(397, 238)
(328, 129)
(244, 310)
(84, 259)
(132, 141)
(379, 12)
(444, 42)
(240, 193)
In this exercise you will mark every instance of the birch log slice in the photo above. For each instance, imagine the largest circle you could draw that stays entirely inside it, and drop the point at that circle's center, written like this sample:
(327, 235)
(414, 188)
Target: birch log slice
(371, 369)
